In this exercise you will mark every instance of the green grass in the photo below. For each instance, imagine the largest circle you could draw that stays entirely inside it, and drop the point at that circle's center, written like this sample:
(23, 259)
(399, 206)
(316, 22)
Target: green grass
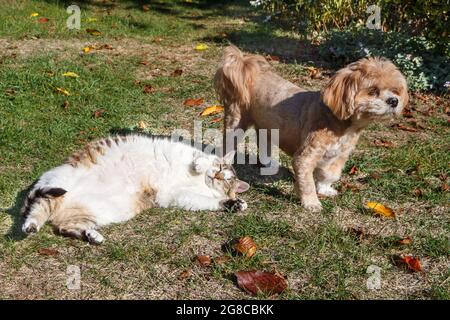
(317, 252)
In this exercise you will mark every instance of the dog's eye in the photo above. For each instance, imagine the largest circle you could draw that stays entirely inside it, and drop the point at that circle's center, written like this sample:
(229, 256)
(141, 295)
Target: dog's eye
(373, 91)
(396, 92)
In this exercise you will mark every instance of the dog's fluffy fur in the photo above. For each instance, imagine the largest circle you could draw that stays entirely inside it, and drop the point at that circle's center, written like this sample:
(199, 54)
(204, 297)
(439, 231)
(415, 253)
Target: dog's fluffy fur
(318, 129)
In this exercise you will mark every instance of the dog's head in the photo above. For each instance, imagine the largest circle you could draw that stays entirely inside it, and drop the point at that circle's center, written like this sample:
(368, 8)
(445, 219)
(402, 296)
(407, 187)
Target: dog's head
(367, 89)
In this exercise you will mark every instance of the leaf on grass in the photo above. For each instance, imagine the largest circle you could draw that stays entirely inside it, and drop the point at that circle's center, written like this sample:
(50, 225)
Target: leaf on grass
(43, 20)
(353, 170)
(62, 91)
(445, 187)
(204, 261)
(65, 104)
(211, 110)
(201, 47)
(383, 143)
(215, 120)
(221, 259)
(405, 241)
(380, 209)
(145, 8)
(91, 19)
(70, 74)
(48, 252)
(177, 72)
(313, 73)
(93, 32)
(255, 282)
(246, 246)
(86, 49)
(185, 274)
(193, 102)
(141, 125)
(411, 263)
(98, 113)
(418, 192)
(148, 89)
(403, 127)
(34, 14)
(144, 62)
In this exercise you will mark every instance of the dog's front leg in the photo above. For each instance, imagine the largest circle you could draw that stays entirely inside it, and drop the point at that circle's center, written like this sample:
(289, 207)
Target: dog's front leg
(233, 121)
(304, 163)
(325, 176)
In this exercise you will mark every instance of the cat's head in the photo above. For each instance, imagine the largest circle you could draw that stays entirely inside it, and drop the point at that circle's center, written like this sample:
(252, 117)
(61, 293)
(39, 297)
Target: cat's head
(222, 177)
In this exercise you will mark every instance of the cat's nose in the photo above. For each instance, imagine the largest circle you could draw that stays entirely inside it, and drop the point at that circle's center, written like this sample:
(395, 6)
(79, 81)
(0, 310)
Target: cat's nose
(393, 102)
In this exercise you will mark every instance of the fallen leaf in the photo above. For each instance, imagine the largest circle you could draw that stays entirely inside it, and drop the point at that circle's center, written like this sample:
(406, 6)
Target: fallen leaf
(201, 47)
(34, 14)
(185, 274)
(148, 89)
(380, 209)
(403, 127)
(447, 111)
(91, 19)
(221, 260)
(141, 125)
(350, 186)
(43, 20)
(418, 192)
(86, 49)
(62, 91)
(255, 282)
(193, 102)
(204, 261)
(48, 252)
(157, 39)
(98, 113)
(407, 113)
(211, 110)
(218, 119)
(405, 241)
(145, 8)
(445, 187)
(383, 143)
(144, 62)
(246, 246)
(93, 32)
(411, 263)
(177, 72)
(313, 73)
(353, 170)
(70, 74)
(65, 104)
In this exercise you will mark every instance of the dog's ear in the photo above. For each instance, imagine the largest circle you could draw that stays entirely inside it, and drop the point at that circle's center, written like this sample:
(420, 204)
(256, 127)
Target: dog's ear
(339, 93)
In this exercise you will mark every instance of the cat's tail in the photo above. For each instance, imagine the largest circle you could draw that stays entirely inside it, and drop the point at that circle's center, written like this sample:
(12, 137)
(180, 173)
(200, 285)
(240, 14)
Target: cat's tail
(235, 75)
(69, 218)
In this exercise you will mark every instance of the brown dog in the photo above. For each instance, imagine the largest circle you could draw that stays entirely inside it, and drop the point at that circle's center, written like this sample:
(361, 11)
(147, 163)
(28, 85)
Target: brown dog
(319, 130)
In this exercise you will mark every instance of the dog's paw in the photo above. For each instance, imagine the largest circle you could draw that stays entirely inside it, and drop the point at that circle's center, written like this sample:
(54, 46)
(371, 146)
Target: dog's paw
(30, 226)
(326, 190)
(313, 207)
(235, 205)
(93, 236)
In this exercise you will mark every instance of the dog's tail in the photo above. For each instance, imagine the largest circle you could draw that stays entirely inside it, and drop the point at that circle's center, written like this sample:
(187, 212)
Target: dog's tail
(235, 75)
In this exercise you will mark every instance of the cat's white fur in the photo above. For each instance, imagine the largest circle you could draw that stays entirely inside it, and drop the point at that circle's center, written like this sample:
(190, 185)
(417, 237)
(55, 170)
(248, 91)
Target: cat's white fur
(179, 175)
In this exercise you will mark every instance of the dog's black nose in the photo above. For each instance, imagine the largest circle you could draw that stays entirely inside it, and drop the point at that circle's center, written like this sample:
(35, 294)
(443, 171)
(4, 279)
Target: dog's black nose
(393, 102)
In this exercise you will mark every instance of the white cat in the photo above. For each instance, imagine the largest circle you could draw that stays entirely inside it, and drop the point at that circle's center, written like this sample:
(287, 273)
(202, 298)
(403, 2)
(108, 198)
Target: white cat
(113, 179)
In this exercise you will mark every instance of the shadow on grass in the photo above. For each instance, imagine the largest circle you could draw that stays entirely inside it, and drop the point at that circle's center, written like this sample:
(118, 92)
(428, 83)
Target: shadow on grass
(15, 232)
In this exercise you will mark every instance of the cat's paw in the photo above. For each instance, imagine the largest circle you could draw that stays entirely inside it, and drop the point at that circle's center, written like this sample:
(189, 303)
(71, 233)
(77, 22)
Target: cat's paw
(235, 205)
(201, 165)
(30, 226)
(93, 236)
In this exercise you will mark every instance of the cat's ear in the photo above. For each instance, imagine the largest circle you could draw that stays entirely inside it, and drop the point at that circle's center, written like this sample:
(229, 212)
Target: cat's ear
(229, 157)
(242, 186)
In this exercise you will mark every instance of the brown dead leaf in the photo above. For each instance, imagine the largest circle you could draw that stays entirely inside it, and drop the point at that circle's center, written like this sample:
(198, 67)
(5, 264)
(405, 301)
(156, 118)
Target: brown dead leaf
(409, 262)
(193, 102)
(405, 241)
(177, 72)
(98, 113)
(93, 32)
(353, 170)
(203, 261)
(221, 259)
(144, 62)
(445, 187)
(145, 8)
(418, 192)
(403, 127)
(43, 20)
(218, 119)
(255, 282)
(314, 73)
(383, 143)
(246, 246)
(148, 89)
(48, 252)
(186, 274)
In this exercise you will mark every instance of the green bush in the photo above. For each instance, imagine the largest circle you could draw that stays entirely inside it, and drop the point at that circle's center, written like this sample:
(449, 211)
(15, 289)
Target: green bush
(415, 56)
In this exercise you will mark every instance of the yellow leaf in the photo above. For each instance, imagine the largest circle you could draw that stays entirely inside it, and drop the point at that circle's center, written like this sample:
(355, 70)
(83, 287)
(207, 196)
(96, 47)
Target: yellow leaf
(91, 19)
(201, 47)
(380, 209)
(34, 14)
(93, 32)
(211, 110)
(86, 49)
(141, 125)
(62, 91)
(70, 74)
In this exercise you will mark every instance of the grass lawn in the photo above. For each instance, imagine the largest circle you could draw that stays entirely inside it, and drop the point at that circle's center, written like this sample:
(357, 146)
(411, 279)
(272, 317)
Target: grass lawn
(323, 255)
